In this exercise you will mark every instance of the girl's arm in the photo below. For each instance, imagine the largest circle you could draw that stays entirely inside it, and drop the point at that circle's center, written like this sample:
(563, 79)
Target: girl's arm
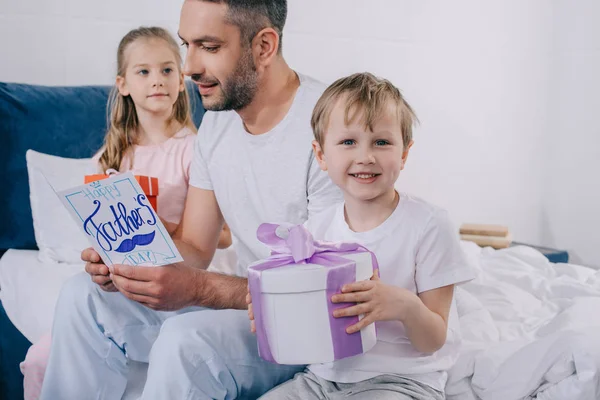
(171, 227)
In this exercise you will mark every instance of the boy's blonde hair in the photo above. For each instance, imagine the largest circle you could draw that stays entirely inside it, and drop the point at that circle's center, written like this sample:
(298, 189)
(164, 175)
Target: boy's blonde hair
(123, 123)
(364, 94)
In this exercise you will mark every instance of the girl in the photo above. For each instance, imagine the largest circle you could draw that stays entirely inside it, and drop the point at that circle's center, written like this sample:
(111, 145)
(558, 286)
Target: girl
(150, 133)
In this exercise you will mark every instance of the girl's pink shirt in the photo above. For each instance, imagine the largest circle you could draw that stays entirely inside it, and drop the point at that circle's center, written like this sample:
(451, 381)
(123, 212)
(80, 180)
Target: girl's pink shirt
(169, 162)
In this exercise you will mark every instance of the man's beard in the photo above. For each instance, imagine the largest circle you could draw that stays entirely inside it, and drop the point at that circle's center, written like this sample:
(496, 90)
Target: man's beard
(239, 89)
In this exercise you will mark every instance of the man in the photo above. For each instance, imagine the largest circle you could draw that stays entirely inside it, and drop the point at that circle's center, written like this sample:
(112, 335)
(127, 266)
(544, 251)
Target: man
(252, 164)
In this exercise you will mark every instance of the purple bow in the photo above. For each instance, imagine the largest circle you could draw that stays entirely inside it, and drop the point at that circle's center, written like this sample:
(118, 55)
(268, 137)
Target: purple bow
(299, 247)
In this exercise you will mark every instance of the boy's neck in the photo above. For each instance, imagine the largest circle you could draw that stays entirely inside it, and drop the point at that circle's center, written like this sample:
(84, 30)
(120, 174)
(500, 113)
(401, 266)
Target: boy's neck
(363, 216)
(273, 99)
(155, 128)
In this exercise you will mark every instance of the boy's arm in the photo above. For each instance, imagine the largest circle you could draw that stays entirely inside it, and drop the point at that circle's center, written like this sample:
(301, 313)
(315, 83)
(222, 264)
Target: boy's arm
(424, 316)
(426, 323)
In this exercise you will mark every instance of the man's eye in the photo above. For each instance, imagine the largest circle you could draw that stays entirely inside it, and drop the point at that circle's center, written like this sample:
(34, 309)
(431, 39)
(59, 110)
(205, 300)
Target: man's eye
(347, 142)
(381, 142)
(184, 44)
(211, 49)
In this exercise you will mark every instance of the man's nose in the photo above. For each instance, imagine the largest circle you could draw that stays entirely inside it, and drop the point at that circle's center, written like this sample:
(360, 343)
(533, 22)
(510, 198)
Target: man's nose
(193, 64)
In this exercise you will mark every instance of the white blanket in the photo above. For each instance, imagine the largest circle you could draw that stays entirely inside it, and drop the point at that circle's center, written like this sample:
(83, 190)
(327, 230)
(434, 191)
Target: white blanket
(531, 329)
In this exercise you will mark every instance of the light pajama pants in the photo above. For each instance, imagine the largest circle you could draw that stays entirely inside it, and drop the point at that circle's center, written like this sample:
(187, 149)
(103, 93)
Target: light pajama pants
(195, 353)
(307, 386)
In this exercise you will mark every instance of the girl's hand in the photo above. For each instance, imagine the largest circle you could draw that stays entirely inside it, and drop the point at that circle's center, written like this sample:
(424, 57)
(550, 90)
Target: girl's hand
(224, 238)
(169, 226)
(250, 312)
(376, 300)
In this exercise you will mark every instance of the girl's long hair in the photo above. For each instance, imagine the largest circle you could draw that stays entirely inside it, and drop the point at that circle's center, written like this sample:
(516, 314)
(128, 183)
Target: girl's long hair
(123, 123)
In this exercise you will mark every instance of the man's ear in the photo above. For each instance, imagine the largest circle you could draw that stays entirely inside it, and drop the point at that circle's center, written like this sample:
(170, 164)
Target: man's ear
(121, 86)
(265, 46)
(405, 153)
(319, 155)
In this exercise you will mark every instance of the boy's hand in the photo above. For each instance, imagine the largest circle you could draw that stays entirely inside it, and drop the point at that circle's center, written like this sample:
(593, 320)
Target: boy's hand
(250, 312)
(376, 300)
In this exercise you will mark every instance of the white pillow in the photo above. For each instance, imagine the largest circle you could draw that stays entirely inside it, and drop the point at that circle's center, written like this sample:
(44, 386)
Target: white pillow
(58, 237)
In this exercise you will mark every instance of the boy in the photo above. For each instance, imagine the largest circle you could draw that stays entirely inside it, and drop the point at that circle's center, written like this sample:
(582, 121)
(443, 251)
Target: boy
(363, 134)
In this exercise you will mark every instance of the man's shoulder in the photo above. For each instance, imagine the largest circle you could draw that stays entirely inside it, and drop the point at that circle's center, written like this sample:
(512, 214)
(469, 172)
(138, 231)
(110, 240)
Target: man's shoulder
(311, 84)
(312, 89)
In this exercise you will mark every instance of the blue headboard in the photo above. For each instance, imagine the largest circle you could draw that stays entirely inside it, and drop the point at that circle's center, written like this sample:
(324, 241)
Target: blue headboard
(63, 121)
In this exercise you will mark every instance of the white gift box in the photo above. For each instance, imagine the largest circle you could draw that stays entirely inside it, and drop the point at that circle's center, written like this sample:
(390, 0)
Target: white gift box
(293, 309)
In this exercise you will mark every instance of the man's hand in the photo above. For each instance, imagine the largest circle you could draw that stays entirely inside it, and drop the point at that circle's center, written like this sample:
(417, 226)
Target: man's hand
(97, 270)
(376, 301)
(165, 288)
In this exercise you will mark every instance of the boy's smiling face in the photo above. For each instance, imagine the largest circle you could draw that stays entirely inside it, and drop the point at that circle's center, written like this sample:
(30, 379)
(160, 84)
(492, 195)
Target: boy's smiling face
(364, 164)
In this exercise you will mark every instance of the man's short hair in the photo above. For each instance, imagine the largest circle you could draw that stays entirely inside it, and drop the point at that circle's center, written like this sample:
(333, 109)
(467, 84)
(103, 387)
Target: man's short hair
(363, 94)
(251, 16)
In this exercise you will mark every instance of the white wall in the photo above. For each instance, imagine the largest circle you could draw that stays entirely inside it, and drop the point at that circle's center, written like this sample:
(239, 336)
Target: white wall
(72, 42)
(477, 75)
(571, 212)
(482, 77)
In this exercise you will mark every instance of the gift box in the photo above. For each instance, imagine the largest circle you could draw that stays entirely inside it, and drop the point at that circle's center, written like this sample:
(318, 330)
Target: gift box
(149, 186)
(291, 297)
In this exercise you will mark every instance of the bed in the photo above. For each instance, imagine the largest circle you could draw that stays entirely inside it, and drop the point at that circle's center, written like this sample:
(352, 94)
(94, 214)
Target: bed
(530, 327)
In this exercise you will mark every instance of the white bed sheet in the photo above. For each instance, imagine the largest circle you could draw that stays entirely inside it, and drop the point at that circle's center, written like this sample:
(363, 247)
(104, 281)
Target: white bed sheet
(530, 328)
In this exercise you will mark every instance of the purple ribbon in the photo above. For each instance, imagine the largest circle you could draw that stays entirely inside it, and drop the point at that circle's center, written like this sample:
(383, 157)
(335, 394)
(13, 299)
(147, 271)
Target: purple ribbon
(300, 248)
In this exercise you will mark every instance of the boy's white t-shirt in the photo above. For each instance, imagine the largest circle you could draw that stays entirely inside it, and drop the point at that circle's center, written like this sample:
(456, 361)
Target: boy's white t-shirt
(417, 248)
(273, 177)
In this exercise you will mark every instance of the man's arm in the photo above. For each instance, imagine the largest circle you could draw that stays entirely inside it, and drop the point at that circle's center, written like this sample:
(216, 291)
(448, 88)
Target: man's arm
(197, 238)
(198, 233)
(184, 284)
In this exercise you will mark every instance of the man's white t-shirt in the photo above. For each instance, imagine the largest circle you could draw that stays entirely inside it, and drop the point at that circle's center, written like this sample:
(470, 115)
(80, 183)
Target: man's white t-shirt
(417, 248)
(273, 177)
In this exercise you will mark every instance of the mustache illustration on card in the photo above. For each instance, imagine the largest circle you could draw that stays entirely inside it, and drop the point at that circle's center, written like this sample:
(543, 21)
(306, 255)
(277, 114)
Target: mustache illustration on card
(137, 240)
(119, 221)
